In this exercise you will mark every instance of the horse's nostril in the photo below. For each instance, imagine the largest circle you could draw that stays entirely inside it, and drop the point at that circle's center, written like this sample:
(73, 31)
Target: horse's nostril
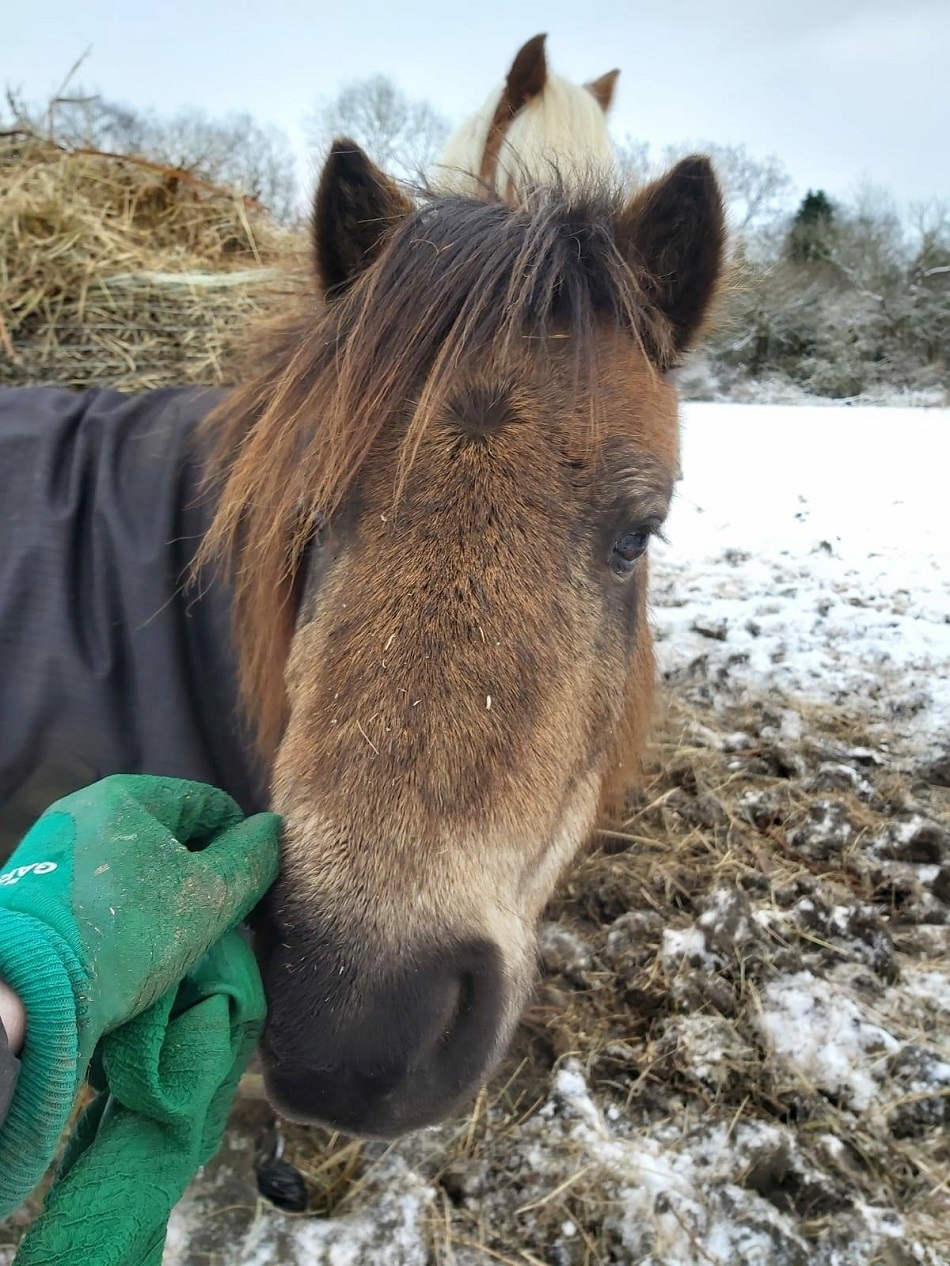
(462, 1005)
(380, 1081)
(389, 1058)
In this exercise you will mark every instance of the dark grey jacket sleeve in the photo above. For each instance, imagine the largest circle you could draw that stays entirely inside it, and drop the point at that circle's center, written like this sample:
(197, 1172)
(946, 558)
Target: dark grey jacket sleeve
(110, 661)
(9, 1071)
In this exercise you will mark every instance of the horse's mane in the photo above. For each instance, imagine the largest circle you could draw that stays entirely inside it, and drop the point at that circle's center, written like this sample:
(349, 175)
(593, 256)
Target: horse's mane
(562, 128)
(458, 282)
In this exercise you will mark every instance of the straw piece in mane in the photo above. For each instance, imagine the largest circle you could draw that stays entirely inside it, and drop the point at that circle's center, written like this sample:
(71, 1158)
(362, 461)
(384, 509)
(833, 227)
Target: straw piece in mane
(535, 128)
(454, 282)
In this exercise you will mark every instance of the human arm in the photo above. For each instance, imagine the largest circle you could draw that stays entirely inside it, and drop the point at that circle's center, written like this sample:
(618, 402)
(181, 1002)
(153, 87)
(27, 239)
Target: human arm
(12, 1017)
(12, 1022)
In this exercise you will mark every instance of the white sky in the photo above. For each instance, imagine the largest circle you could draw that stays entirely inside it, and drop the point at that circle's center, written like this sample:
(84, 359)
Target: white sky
(840, 90)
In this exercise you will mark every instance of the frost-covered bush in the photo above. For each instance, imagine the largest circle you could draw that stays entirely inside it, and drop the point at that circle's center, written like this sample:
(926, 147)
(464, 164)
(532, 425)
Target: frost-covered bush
(843, 302)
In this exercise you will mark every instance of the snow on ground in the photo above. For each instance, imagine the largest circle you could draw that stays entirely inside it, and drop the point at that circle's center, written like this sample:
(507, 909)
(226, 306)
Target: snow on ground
(822, 1036)
(809, 555)
(388, 1227)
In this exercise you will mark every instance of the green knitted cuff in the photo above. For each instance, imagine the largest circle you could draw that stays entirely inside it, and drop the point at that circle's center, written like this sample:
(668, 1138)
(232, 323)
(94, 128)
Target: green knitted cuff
(42, 969)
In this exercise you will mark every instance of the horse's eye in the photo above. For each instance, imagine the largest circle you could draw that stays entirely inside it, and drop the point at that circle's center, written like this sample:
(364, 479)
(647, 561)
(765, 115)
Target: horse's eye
(627, 549)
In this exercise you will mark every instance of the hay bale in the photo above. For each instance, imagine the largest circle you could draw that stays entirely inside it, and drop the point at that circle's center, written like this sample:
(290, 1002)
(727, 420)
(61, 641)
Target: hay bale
(116, 270)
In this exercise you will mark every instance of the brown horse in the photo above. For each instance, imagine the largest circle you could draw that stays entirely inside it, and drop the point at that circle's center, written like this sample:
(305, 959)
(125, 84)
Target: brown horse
(437, 494)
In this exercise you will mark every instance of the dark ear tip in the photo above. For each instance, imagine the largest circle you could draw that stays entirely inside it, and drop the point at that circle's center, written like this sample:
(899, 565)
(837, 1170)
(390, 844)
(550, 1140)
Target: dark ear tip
(695, 169)
(693, 181)
(530, 51)
(345, 155)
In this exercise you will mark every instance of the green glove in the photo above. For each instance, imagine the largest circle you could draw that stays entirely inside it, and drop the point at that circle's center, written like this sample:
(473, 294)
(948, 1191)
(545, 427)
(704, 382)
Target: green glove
(171, 1075)
(104, 907)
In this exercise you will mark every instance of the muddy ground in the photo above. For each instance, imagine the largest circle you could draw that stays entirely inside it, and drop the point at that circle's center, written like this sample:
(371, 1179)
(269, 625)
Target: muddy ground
(739, 1052)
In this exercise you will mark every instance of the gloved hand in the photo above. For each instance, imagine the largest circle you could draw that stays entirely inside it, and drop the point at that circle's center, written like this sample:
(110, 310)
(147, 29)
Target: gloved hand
(108, 901)
(171, 1075)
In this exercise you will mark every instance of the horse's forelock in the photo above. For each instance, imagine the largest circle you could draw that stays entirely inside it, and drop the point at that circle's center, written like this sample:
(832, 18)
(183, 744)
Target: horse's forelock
(459, 283)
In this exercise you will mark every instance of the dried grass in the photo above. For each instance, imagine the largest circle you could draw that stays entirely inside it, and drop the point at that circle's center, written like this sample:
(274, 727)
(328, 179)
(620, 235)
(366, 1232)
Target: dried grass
(118, 270)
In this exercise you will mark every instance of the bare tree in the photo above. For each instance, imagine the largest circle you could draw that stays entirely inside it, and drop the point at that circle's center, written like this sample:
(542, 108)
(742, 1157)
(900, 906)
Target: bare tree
(404, 136)
(930, 221)
(633, 161)
(756, 189)
(235, 151)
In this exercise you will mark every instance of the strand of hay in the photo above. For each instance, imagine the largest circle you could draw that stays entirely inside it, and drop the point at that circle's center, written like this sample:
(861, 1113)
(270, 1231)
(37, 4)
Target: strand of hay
(118, 270)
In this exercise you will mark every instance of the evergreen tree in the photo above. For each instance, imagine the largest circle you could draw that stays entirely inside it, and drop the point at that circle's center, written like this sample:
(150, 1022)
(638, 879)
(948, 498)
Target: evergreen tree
(809, 238)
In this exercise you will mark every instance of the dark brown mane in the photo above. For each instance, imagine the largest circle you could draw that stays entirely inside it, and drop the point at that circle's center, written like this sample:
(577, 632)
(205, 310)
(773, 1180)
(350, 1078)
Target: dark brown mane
(457, 282)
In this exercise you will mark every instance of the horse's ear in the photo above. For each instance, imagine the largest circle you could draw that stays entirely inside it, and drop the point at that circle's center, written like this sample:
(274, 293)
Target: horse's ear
(528, 74)
(356, 206)
(602, 89)
(674, 232)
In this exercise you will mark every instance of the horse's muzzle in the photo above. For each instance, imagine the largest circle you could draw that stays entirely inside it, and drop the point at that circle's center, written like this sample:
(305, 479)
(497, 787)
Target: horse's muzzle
(380, 1049)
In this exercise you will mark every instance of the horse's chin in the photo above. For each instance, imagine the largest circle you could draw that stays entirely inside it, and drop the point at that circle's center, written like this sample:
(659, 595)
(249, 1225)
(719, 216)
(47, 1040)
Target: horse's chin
(368, 1106)
(385, 1048)
(350, 1113)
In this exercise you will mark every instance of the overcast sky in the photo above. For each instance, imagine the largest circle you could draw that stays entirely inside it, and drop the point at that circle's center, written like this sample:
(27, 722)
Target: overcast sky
(840, 90)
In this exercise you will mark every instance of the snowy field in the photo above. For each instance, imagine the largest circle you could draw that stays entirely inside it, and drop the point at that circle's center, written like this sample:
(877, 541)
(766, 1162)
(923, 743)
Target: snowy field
(810, 555)
(740, 1052)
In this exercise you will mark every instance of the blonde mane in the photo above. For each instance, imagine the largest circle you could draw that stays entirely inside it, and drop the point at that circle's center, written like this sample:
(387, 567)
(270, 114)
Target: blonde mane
(535, 129)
